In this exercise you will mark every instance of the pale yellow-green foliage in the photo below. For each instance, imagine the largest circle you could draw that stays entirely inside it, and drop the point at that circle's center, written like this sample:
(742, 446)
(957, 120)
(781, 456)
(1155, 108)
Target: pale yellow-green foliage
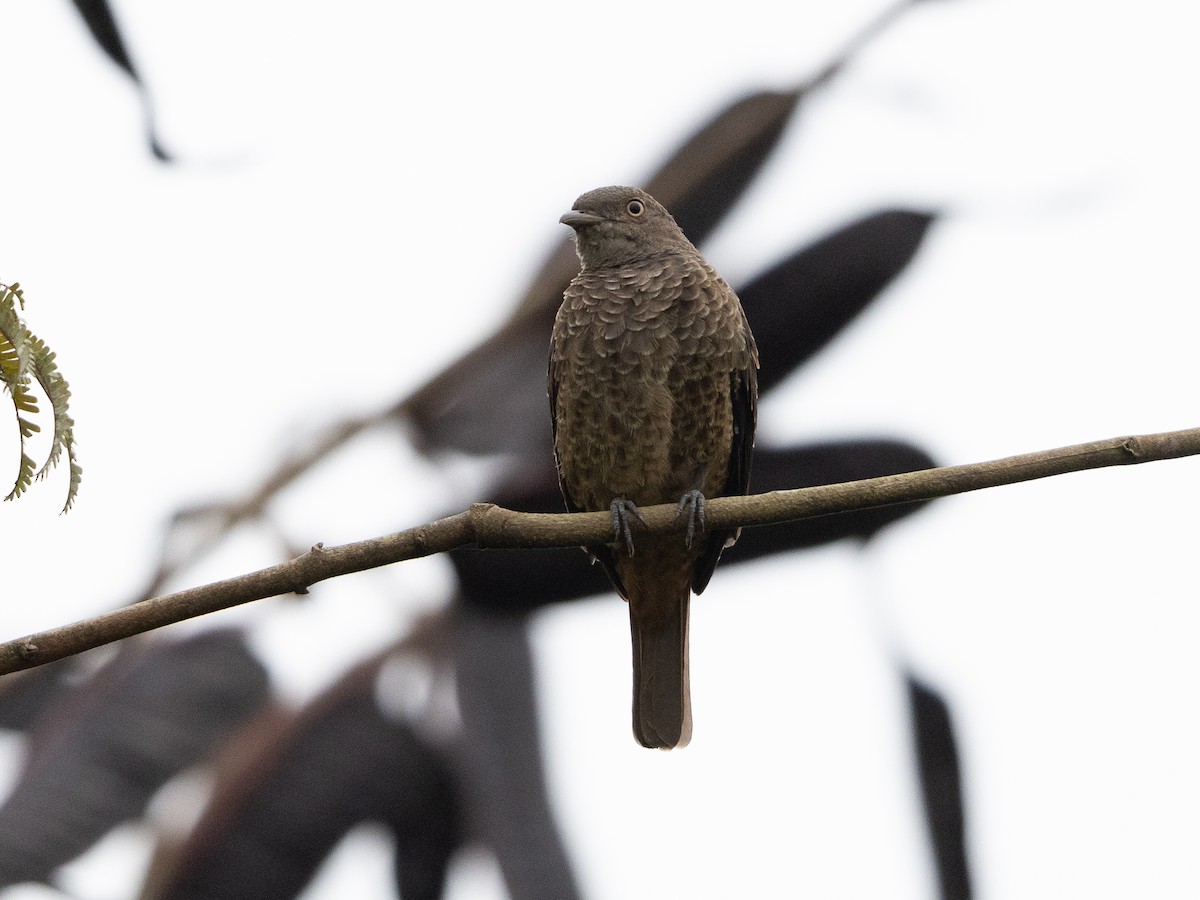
(24, 358)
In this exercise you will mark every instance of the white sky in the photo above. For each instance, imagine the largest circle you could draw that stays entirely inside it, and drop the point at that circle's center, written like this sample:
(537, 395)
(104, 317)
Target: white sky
(363, 192)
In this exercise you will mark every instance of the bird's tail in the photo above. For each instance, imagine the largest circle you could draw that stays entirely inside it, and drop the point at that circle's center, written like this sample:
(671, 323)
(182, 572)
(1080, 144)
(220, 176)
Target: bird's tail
(658, 623)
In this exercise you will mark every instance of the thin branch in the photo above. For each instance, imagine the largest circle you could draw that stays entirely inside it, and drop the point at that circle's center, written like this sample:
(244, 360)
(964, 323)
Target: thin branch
(227, 516)
(489, 526)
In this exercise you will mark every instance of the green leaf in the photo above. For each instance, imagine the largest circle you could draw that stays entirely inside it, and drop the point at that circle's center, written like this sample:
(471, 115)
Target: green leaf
(23, 358)
(24, 478)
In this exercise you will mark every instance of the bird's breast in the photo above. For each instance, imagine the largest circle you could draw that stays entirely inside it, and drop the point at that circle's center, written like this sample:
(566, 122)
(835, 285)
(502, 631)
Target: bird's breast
(635, 352)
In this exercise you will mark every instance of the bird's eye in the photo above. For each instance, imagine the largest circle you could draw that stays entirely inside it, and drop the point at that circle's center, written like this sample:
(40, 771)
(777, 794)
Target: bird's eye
(635, 207)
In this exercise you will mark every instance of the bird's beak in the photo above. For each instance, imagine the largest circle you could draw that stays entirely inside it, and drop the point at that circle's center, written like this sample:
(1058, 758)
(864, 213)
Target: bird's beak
(577, 219)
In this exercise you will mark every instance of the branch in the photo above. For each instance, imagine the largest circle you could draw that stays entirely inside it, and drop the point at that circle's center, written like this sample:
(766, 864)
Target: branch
(486, 525)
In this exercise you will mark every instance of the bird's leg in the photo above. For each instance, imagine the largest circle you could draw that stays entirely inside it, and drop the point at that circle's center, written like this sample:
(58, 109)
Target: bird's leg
(622, 511)
(691, 504)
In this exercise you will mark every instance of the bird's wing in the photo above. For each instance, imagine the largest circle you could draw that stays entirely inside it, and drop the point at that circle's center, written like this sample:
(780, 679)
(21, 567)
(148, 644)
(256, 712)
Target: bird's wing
(552, 392)
(743, 401)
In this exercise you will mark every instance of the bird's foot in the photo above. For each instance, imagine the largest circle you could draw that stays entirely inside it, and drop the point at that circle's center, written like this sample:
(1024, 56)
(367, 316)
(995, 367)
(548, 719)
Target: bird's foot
(691, 505)
(622, 511)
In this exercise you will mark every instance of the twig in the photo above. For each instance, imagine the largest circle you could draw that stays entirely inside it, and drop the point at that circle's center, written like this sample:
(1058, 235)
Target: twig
(489, 526)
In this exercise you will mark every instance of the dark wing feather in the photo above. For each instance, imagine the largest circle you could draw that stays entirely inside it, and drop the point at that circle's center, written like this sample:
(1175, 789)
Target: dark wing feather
(743, 398)
(552, 392)
(602, 554)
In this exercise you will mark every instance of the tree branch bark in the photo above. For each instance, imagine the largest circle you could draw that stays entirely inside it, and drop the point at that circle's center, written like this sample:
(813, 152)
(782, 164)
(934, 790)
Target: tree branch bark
(489, 526)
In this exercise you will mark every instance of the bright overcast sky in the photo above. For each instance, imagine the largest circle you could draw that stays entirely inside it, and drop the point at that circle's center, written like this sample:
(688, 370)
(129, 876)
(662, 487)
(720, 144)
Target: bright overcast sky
(363, 189)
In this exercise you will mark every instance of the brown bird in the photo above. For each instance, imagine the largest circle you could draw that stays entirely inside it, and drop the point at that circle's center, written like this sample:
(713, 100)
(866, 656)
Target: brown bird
(653, 390)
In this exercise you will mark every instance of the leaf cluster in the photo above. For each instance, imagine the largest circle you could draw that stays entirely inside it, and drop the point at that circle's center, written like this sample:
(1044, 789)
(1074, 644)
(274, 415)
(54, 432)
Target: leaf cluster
(24, 359)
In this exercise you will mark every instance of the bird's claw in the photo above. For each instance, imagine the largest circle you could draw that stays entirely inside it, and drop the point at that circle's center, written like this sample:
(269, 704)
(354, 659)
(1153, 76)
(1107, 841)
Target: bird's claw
(622, 511)
(691, 504)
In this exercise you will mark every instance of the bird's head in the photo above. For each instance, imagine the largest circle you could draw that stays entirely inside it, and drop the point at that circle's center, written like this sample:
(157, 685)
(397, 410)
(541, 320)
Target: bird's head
(616, 225)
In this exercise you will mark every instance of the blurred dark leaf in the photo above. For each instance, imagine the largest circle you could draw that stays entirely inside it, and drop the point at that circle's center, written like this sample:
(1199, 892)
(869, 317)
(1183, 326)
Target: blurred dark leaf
(296, 784)
(525, 579)
(705, 177)
(97, 15)
(24, 696)
(941, 787)
(97, 756)
(500, 407)
(501, 760)
(801, 303)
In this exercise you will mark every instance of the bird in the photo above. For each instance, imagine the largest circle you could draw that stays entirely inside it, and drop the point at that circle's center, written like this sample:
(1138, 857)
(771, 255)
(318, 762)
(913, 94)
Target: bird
(653, 397)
